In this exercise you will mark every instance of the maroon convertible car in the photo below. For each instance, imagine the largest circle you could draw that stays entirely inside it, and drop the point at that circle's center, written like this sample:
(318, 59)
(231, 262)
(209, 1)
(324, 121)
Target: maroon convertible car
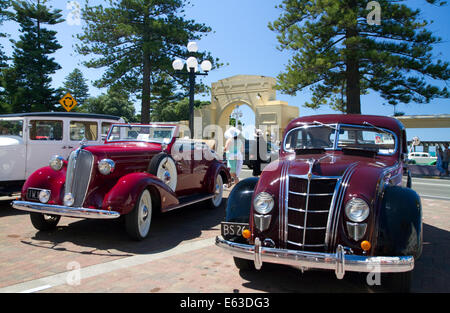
(140, 169)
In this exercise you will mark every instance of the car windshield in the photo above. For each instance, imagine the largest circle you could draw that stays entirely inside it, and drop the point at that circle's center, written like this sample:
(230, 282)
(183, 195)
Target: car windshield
(149, 133)
(348, 136)
(11, 128)
(310, 137)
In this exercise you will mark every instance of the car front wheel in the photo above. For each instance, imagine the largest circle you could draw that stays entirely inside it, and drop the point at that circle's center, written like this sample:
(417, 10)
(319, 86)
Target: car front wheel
(138, 221)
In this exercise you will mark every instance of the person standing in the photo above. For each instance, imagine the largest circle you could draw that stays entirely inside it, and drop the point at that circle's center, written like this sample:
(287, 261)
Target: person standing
(234, 151)
(439, 165)
(445, 158)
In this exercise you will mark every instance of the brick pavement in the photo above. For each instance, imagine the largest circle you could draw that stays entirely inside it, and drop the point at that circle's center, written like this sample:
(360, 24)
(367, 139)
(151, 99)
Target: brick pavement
(27, 255)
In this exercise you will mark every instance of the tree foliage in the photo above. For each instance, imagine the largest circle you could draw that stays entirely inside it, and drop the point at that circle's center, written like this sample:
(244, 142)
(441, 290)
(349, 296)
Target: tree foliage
(339, 55)
(137, 41)
(175, 111)
(76, 85)
(114, 102)
(28, 82)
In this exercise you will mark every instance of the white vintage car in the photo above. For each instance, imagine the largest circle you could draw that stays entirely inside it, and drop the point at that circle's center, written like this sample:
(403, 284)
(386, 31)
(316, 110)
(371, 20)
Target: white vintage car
(421, 158)
(29, 140)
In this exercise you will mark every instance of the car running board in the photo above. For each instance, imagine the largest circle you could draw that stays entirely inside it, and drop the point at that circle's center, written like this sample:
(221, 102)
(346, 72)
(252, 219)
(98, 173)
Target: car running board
(188, 200)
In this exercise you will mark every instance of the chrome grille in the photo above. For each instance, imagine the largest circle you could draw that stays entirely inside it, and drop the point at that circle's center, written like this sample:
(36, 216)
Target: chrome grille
(310, 199)
(78, 176)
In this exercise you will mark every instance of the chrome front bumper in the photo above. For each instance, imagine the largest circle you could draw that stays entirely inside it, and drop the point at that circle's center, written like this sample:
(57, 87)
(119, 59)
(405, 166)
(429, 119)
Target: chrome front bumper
(64, 210)
(340, 262)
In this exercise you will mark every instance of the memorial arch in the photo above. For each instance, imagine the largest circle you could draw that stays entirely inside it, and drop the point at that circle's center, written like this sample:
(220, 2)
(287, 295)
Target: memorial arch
(257, 92)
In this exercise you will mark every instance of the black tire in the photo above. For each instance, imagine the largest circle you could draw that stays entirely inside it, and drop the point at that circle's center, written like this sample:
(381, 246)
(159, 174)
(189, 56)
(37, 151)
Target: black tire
(244, 264)
(44, 222)
(136, 221)
(155, 164)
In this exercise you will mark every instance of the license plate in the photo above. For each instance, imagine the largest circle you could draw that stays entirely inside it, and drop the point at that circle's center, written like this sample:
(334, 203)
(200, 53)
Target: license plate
(229, 229)
(33, 193)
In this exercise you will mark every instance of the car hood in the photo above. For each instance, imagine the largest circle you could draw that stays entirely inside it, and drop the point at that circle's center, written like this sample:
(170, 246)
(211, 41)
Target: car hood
(124, 148)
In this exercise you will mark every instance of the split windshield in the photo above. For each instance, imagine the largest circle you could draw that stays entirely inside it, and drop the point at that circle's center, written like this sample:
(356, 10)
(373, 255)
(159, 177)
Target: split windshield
(347, 137)
(147, 133)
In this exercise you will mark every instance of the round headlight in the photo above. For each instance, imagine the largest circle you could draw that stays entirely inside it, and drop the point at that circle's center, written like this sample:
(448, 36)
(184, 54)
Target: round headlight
(263, 203)
(106, 166)
(357, 210)
(68, 199)
(44, 196)
(56, 162)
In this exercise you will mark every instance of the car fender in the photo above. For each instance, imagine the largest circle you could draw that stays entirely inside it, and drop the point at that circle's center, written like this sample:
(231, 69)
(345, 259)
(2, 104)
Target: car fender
(124, 194)
(400, 223)
(216, 168)
(240, 201)
(47, 178)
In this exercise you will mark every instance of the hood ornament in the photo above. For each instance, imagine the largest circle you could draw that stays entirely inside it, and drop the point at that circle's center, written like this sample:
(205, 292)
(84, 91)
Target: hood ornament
(83, 142)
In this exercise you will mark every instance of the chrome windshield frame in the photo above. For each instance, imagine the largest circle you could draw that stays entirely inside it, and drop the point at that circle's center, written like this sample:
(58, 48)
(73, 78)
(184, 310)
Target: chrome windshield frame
(173, 127)
(337, 127)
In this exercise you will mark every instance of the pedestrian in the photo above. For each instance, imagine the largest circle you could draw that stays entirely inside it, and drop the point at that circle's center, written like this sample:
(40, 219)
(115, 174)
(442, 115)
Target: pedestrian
(439, 163)
(234, 150)
(257, 163)
(445, 158)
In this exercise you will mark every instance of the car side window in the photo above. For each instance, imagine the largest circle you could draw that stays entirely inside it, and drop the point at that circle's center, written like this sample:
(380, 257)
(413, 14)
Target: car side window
(46, 130)
(83, 129)
(104, 130)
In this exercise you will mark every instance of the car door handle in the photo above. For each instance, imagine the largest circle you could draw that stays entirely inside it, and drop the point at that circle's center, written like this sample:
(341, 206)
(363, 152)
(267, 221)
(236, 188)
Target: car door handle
(67, 147)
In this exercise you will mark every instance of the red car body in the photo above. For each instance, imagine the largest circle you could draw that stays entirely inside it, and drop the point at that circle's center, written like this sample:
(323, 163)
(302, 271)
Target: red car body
(118, 193)
(356, 166)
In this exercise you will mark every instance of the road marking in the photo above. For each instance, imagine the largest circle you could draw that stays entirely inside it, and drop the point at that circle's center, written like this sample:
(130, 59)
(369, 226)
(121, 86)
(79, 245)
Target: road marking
(430, 184)
(434, 197)
(107, 267)
(36, 289)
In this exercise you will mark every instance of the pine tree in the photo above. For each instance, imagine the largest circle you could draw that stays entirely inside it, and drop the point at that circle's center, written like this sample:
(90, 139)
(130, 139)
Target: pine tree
(76, 85)
(341, 51)
(4, 16)
(28, 81)
(137, 41)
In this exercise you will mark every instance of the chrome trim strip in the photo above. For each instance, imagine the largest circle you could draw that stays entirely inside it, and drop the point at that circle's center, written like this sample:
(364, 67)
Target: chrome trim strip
(180, 205)
(311, 194)
(302, 227)
(339, 262)
(310, 211)
(301, 245)
(337, 209)
(64, 210)
(314, 176)
(311, 165)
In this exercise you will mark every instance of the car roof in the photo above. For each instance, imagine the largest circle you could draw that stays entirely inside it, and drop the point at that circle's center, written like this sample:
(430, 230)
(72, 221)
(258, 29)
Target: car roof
(357, 119)
(63, 114)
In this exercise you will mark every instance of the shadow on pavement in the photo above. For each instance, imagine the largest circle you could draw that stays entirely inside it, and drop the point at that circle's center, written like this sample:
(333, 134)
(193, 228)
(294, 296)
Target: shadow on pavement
(431, 273)
(167, 231)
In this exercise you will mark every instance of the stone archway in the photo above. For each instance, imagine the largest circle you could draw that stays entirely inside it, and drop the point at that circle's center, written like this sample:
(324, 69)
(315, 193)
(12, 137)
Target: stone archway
(258, 92)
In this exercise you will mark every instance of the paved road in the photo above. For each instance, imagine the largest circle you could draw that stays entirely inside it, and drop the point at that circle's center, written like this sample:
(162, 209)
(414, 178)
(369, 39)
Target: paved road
(179, 256)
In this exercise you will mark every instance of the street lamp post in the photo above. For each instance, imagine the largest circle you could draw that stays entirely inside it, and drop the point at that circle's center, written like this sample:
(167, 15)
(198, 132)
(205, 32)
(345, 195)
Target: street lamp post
(192, 72)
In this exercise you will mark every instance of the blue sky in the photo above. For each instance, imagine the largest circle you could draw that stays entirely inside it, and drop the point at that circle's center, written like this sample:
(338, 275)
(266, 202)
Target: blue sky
(242, 39)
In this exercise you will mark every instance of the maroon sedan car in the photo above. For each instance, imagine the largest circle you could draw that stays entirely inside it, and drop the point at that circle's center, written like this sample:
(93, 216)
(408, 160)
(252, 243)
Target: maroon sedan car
(139, 169)
(339, 198)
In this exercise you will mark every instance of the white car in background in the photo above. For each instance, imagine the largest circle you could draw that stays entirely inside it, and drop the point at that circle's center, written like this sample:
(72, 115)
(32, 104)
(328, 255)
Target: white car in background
(421, 158)
(29, 140)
